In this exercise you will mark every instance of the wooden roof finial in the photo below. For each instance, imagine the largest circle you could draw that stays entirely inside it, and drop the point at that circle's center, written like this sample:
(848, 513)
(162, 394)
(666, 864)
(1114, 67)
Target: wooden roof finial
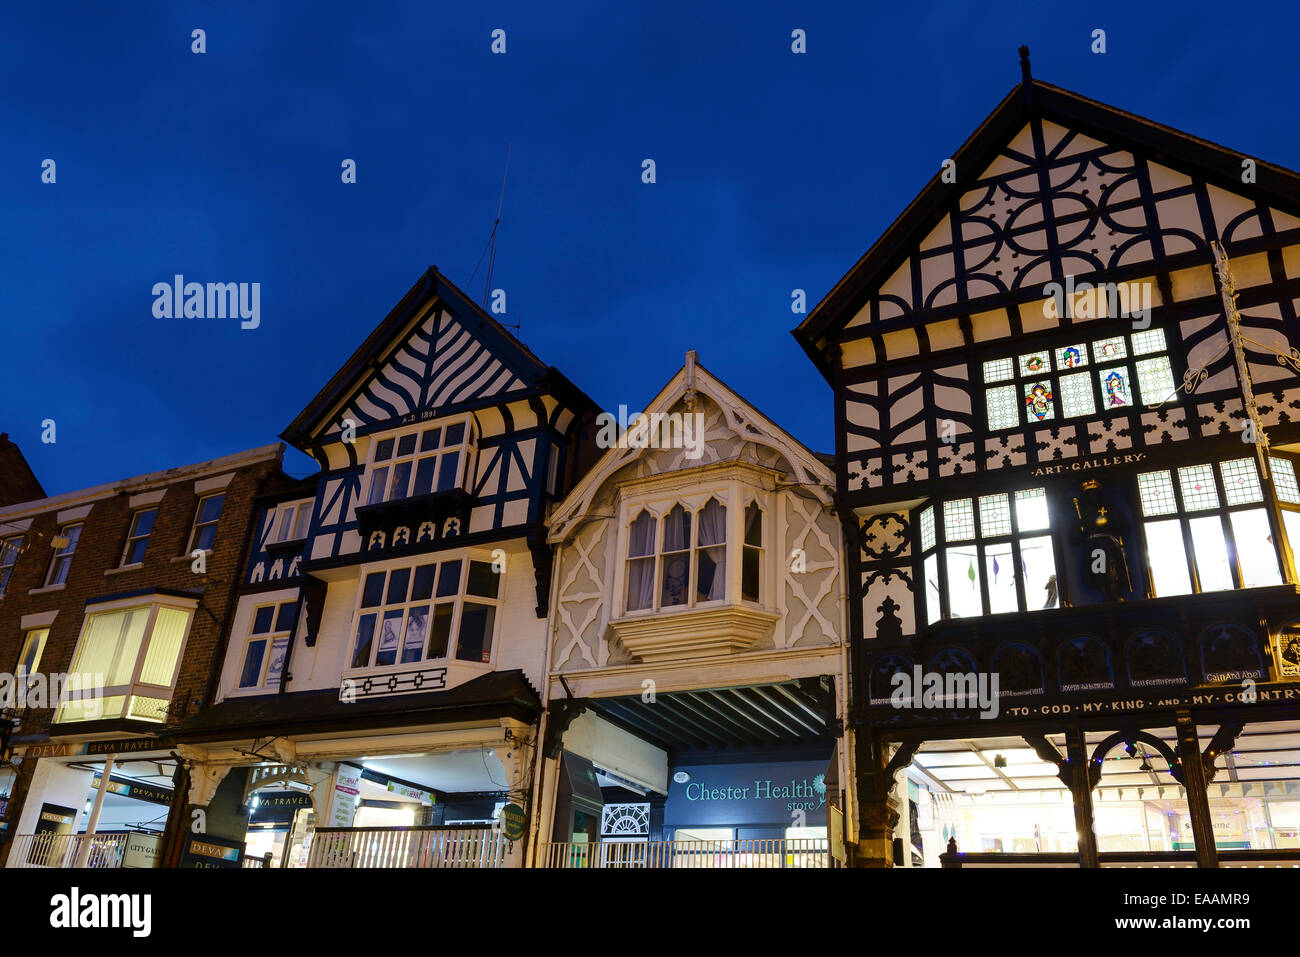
(1024, 65)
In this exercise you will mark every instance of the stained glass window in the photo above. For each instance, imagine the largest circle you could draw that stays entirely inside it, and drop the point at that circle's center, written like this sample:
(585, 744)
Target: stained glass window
(1151, 340)
(997, 370)
(1108, 350)
(1031, 509)
(1197, 485)
(1114, 388)
(1156, 492)
(995, 515)
(1072, 357)
(1002, 407)
(927, 528)
(1036, 363)
(1155, 379)
(1284, 480)
(1038, 402)
(1076, 395)
(958, 520)
(1241, 481)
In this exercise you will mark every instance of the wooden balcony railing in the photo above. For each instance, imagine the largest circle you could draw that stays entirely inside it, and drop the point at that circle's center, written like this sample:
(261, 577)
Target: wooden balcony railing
(439, 847)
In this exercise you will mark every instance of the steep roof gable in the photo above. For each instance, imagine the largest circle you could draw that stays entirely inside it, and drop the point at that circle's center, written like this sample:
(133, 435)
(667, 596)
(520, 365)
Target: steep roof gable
(1052, 182)
(436, 352)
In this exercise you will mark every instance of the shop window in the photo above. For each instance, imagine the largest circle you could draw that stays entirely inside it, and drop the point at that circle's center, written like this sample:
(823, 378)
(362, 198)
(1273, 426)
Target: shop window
(65, 548)
(1077, 379)
(137, 537)
(206, 517)
(1207, 528)
(135, 652)
(268, 643)
(9, 548)
(988, 555)
(430, 612)
(431, 458)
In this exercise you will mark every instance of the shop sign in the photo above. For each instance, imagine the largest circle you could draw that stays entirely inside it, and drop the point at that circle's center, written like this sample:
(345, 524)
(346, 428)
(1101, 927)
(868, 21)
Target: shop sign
(415, 794)
(53, 750)
(208, 851)
(347, 785)
(141, 850)
(514, 822)
(129, 745)
(141, 792)
(749, 794)
(1287, 650)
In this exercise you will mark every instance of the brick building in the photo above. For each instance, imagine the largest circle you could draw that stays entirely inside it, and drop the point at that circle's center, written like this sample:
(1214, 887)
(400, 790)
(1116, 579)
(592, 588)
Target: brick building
(131, 582)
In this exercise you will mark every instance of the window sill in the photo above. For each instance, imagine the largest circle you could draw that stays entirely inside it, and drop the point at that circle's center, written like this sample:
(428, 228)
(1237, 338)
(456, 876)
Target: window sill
(48, 588)
(207, 553)
(697, 633)
(121, 569)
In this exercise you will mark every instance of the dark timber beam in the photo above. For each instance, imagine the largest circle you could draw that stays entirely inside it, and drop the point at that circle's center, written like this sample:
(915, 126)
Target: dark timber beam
(1198, 801)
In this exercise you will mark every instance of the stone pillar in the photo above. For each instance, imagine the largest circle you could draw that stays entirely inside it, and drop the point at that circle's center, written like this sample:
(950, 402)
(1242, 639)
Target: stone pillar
(877, 805)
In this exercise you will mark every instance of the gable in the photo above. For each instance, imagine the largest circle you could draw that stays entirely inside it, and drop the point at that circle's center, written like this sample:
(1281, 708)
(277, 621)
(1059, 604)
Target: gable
(435, 354)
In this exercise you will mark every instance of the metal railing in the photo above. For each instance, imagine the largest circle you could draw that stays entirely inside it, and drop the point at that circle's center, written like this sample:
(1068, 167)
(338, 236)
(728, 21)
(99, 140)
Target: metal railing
(758, 853)
(66, 850)
(435, 847)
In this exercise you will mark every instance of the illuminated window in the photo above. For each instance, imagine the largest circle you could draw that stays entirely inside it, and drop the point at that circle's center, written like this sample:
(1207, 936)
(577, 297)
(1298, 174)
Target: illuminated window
(1078, 379)
(681, 560)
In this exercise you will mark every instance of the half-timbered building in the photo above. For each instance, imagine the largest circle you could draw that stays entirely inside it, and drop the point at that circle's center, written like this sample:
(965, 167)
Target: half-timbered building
(1067, 469)
(387, 651)
(695, 675)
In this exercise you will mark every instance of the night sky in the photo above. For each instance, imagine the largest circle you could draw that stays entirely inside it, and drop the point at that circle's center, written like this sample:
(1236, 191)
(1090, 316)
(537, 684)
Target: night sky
(775, 171)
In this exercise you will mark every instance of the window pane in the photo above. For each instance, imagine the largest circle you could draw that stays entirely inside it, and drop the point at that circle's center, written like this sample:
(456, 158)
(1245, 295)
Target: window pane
(210, 510)
(389, 634)
(1072, 357)
(1114, 388)
(711, 573)
(32, 647)
(475, 642)
(377, 486)
(417, 626)
(753, 525)
(430, 439)
(384, 450)
(675, 570)
(449, 579)
(1156, 492)
(1038, 562)
(275, 667)
(933, 609)
(640, 583)
(303, 521)
(447, 473)
(455, 435)
(963, 582)
(1197, 485)
(998, 370)
(999, 566)
(995, 515)
(1165, 551)
(1256, 553)
(927, 528)
(144, 520)
(1038, 402)
(1211, 553)
(1152, 340)
(1284, 478)
(398, 579)
(373, 593)
(1241, 481)
(1035, 363)
(135, 553)
(99, 641)
(958, 520)
(677, 529)
(749, 573)
(424, 473)
(406, 444)
(287, 616)
(1003, 407)
(712, 528)
(401, 482)
(252, 669)
(361, 647)
(129, 653)
(1031, 510)
(262, 619)
(1076, 395)
(1107, 350)
(423, 586)
(641, 536)
(441, 633)
(483, 580)
(1291, 521)
(205, 537)
(1155, 379)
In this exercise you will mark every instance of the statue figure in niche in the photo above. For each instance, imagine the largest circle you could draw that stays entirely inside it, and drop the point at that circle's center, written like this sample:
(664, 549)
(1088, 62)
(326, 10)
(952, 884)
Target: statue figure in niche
(1105, 559)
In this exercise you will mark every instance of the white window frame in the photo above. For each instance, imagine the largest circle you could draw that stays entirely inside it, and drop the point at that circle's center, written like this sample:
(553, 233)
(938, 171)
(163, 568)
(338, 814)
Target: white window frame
(270, 637)
(295, 513)
(197, 525)
(458, 601)
(65, 554)
(38, 635)
(735, 495)
(132, 537)
(467, 449)
(135, 687)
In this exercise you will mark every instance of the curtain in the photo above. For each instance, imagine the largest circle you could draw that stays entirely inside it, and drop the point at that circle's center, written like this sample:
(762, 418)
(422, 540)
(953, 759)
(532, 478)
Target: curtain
(713, 531)
(640, 569)
(676, 568)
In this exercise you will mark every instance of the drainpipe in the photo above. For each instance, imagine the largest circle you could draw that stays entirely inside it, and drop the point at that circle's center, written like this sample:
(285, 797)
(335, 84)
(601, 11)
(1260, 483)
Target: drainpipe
(539, 763)
(847, 769)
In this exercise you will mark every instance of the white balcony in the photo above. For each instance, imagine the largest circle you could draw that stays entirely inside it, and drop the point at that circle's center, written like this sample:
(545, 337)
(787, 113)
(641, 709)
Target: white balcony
(770, 853)
(432, 847)
(67, 850)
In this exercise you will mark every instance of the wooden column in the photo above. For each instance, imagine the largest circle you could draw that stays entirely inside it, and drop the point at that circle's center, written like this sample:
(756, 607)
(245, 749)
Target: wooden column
(1198, 802)
(1076, 750)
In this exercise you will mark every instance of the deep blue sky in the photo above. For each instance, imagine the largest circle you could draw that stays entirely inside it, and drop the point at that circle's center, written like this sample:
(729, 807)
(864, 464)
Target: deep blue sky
(775, 171)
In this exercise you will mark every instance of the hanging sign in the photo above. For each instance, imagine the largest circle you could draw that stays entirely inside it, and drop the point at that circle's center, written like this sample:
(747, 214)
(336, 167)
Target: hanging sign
(514, 822)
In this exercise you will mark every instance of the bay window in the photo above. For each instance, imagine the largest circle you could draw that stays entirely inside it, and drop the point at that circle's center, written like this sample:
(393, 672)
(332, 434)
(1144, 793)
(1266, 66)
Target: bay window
(988, 555)
(1077, 379)
(430, 458)
(428, 612)
(1207, 528)
(130, 654)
